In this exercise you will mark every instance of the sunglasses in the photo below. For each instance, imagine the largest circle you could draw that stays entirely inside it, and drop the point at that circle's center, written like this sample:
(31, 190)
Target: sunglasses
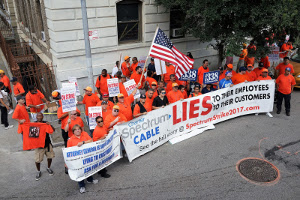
(163, 92)
(74, 114)
(153, 85)
(116, 110)
(99, 121)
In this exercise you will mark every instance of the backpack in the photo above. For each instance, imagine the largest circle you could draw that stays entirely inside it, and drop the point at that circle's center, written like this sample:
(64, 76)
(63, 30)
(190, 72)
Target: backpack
(99, 77)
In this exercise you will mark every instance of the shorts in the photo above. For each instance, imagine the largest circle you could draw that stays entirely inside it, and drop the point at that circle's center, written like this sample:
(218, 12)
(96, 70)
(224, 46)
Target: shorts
(40, 152)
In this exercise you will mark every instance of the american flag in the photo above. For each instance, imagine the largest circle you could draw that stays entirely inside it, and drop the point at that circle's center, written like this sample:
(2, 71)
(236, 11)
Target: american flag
(163, 49)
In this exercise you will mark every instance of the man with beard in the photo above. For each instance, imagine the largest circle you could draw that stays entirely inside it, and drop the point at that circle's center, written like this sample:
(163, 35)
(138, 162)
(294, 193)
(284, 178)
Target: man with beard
(139, 108)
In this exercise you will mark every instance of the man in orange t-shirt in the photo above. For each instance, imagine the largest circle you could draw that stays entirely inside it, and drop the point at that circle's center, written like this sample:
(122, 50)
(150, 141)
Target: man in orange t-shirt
(170, 70)
(134, 64)
(17, 87)
(100, 131)
(122, 87)
(250, 73)
(229, 68)
(125, 67)
(149, 79)
(203, 69)
(106, 98)
(280, 69)
(285, 49)
(172, 80)
(264, 75)
(285, 84)
(242, 56)
(175, 94)
(20, 114)
(4, 79)
(240, 77)
(34, 99)
(153, 86)
(139, 108)
(114, 118)
(149, 99)
(72, 121)
(101, 82)
(137, 77)
(259, 69)
(105, 110)
(265, 60)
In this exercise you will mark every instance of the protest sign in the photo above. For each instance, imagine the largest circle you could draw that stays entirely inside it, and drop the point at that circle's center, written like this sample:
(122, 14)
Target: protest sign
(211, 77)
(274, 56)
(150, 131)
(90, 158)
(130, 86)
(94, 112)
(191, 75)
(113, 87)
(160, 66)
(68, 97)
(142, 61)
(74, 80)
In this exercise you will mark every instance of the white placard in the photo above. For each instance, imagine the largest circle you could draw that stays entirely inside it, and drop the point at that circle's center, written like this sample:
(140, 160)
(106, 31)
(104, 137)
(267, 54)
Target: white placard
(130, 86)
(94, 112)
(74, 80)
(68, 97)
(157, 64)
(113, 87)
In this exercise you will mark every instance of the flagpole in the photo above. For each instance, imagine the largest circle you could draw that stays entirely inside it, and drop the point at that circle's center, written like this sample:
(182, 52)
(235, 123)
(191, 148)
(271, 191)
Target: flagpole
(162, 73)
(119, 66)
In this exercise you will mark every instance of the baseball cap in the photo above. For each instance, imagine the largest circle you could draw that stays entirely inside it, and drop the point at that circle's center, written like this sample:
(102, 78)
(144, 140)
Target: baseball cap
(13, 79)
(120, 95)
(143, 96)
(20, 97)
(54, 94)
(152, 59)
(249, 65)
(174, 84)
(244, 44)
(288, 69)
(105, 95)
(1, 71)
(104, 102)
(230, 66)
(126, 57)
(116, 107)
(243, 69)
(88, 88)
(265, 70)
(228, 74)
(154, 83)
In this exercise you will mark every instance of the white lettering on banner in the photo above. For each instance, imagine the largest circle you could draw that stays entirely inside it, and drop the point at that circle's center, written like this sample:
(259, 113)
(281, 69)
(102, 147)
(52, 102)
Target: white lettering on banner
(90, 158)
(113, 87)
(130, 86)
(150, 131)
(94, 112)
(68, 97)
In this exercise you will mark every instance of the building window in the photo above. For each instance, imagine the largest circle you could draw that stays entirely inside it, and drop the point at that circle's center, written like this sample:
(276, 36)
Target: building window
(39, 14)
(177, 17)
(129, 21)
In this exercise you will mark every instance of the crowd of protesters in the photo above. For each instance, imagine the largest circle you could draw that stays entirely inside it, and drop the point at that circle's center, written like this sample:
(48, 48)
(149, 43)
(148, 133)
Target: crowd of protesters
(156, 92)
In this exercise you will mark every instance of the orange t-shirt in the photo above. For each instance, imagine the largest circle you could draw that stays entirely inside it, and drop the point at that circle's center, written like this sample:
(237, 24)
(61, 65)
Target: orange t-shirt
(169, 86)
(285, 83)
(90, 101)
(137, 78)
(150, 80)
(201, 72)
(18, 88)
(73, 141)
(251, 75)
(110, 104)
(284, 48)
(170, 70)
(20, 113)
(133, 67)
(123, 90)
(266, 62)
(239, 78)
(125, 69)
(264, 78)
(35, 99)
(243, 54)
(221, 76)
(155, 94)
(250, 60)
(137, 109)
(78, 121)
(102, 84)
(281, 67)
(195, 95)
(184, 93)
(258, 71)
(111, 118)
(34, 134)
(125, 108)
(5, 80)
(174, 96)
(99, 132)
(64, 120)
(149, 102)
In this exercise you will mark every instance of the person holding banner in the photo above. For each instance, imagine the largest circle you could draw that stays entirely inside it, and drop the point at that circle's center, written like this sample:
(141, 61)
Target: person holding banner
(139, 108)
(175, 94)
(203, 69)
(170, 70)
(114, 118)
(240, 77)
(125, 67)
(226, 82)
(34, 100)
(124, 104)
(72, 121)
(285, 85)
(250, 73)
(137, 76)
(149, 99)
(79, 138)
(161, 100)
(101, 83)
(280, 69)
(264, 75)
(196, 92)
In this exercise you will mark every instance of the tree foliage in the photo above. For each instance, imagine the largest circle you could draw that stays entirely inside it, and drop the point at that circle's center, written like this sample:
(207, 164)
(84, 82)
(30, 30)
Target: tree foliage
(233, 22)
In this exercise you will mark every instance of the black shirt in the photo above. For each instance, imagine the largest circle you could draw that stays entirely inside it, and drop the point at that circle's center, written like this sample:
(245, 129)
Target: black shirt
(47, 140)
(157, 102)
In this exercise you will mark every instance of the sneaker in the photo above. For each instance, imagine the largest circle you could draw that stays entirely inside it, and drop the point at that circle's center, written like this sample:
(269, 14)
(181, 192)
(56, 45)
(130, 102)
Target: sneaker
(11, 111)
(11, 126)
(38, 175)
(95, 181)
(82, 190)
(106, 175)
(50, 171)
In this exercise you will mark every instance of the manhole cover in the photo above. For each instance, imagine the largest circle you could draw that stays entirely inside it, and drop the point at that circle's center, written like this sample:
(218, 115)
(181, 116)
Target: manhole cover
(258, 170)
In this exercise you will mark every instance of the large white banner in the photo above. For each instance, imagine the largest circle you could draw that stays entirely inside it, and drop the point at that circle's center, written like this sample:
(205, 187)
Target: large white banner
(68, 97)
(130, 86)
(90, 158)
(113, 87)
(150, 131)
(94, 112)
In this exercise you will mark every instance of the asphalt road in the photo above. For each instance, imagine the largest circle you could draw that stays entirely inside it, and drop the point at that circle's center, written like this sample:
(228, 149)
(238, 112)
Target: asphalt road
(203, 167)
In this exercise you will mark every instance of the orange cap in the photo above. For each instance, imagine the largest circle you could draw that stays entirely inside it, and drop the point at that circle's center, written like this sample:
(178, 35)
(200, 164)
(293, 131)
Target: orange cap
(116, 107)
(120, 95)
(88, 88)
(154, 83)
(265, 70)
(230, 66)
(126, 57)
(244, 44)
(174, 84)
(249, 65)
(54, 94)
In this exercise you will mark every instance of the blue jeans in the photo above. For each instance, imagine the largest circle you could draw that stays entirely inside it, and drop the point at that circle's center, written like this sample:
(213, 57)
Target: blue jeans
(82, 184)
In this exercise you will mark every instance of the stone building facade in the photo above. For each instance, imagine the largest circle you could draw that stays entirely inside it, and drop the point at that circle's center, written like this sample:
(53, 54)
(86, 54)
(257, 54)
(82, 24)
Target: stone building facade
(54, 27)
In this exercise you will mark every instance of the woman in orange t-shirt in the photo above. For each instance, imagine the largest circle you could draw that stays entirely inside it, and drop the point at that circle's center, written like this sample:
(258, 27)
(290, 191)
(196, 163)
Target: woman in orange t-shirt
(72, 121)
